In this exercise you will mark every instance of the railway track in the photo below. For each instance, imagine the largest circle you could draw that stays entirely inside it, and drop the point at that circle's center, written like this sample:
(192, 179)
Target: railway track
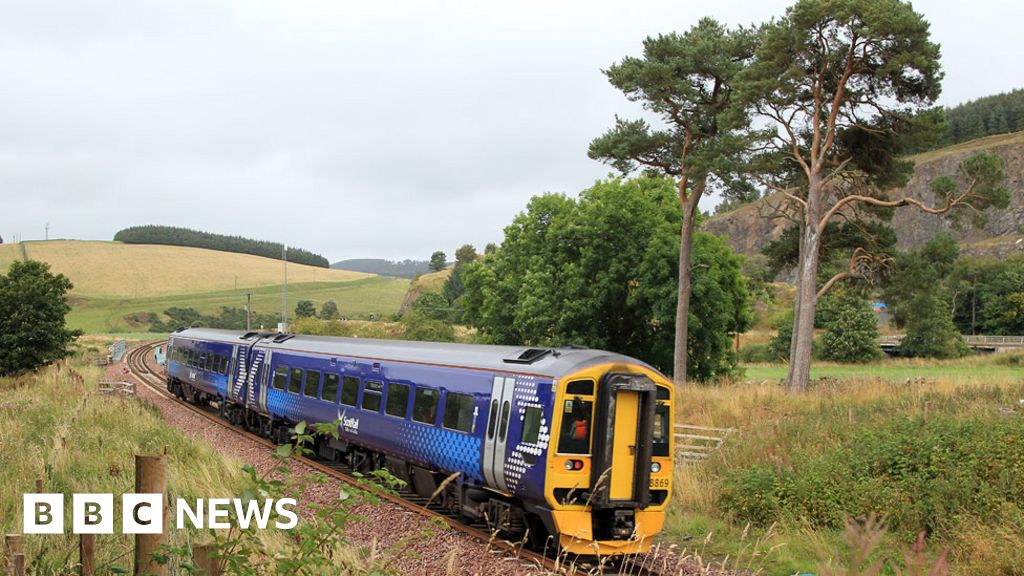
(137, 361)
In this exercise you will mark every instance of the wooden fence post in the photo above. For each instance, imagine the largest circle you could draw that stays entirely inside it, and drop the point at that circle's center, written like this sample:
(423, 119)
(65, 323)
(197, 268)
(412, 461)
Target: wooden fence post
(87, 554)
(151, 478)
(19, 564)
(14, 548)
(204, 559)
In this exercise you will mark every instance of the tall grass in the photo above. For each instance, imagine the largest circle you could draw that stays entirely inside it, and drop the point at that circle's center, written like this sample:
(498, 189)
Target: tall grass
(53, 427)
(774, 427)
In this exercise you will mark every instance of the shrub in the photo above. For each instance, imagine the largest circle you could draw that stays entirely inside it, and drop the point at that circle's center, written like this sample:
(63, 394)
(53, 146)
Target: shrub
(756, 353)
(920, 475)
(778, 346)
(419, 326)
(931, 332)
(851, 334)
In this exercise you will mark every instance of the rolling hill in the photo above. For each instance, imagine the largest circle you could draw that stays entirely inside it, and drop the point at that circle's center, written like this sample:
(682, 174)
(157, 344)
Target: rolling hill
(401, 269)
(117, 285)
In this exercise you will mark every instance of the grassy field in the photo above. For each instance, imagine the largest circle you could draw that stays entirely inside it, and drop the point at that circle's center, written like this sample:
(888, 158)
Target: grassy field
(375, 294)
(116, 270)
(117, 284)
(780, 433)
(965, 371)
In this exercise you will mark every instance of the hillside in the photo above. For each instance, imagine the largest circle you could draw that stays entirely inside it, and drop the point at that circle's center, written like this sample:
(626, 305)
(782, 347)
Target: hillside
(433, 282)
(116, 270)
(117, 286)
(400, 269)
(748, 228)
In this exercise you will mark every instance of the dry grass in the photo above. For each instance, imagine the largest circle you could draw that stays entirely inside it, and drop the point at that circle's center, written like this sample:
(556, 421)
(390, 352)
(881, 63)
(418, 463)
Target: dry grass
(774, 425)
(116, 270)
(970, 146)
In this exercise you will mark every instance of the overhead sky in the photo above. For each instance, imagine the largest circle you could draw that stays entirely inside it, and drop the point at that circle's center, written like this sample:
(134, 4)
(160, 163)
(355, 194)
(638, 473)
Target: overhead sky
(353, 129)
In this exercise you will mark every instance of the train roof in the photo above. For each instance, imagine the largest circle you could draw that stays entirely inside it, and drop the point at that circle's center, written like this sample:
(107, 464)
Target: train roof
(541, 361)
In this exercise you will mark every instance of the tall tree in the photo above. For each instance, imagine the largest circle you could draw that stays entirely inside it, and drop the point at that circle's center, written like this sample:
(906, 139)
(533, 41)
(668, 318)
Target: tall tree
(560, 278)
(438, 261)
(687, 81)
(33, 306)
(848, 85)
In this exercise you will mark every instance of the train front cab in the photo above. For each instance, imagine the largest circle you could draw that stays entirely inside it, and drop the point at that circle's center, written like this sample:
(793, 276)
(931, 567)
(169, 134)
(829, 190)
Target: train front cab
(610, 473)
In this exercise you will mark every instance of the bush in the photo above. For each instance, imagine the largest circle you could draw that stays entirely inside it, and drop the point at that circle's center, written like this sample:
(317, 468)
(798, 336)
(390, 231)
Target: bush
(919, 475)
(419, 326)
(851, 333)
(755, 353)
(930, 330)
(778, 346)
(33, 306)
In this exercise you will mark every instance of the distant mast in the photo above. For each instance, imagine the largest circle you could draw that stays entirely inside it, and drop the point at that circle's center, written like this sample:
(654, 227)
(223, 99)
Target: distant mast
(283, 326)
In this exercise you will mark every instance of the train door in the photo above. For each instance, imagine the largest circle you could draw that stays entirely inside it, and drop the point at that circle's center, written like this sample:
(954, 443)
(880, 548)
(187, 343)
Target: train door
(623, 464)
(623, 442)
(256, 392)
(498, 416)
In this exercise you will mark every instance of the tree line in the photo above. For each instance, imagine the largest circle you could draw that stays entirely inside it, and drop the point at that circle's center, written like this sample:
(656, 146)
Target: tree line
(997, 114)
(174, 236)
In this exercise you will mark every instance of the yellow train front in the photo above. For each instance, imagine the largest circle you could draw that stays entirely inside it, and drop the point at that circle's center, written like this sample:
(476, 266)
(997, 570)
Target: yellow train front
(609, 464)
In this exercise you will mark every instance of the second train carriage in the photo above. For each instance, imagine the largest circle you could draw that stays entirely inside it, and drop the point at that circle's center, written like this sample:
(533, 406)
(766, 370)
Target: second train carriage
(570, 442)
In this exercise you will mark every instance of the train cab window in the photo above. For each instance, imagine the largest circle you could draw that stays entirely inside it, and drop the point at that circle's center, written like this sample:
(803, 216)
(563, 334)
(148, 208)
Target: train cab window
(531, 431)
(424, 405)
(295, 381)
(312, 384)
(662, 430)
(349, 390)
(458, 412)
(574, 436)
(398, 400)
(371, 395)
(280, 377)
(330, 389)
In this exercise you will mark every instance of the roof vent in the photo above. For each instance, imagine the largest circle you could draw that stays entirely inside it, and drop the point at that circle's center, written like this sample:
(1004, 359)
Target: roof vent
(247, 335)
(529, 356)
(282, 337)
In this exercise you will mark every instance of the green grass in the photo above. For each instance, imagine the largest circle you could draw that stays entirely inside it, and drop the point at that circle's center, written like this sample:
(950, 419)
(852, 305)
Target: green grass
(960, 371)
(356, 298)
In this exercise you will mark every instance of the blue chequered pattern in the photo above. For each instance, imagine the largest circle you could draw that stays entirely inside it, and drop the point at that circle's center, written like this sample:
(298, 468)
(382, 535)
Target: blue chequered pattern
(450, 451)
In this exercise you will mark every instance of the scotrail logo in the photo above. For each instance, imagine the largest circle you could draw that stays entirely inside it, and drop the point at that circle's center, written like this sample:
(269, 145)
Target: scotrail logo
(143, 513)
(350, 425)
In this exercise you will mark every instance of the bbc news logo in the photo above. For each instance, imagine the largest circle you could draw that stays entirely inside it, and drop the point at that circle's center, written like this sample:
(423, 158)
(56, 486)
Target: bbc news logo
(143, 513)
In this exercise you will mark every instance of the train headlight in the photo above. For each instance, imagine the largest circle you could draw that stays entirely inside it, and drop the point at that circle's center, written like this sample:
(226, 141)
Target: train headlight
(572, 465)
(655, 467)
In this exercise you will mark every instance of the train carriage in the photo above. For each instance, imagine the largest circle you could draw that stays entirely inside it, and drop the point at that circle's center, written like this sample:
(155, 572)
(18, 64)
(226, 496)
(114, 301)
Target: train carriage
(565, 442)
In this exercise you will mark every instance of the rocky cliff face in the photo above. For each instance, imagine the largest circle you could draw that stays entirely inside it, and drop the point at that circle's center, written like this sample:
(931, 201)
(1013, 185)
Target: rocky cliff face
(750, 227)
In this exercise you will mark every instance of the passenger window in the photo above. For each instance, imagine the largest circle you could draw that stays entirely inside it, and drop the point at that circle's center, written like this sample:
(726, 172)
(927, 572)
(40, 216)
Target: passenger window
(662, 430)
(280, 377)
(295, 381)
(330, 391)
(227, 365)
(349, 390)
(574, 436)
(424, 405)
(371, 396)
(398, 400)
(312, 384)
(458, 412)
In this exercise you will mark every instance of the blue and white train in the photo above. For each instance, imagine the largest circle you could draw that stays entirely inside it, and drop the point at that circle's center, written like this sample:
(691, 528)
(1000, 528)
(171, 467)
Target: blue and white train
(565, 442)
